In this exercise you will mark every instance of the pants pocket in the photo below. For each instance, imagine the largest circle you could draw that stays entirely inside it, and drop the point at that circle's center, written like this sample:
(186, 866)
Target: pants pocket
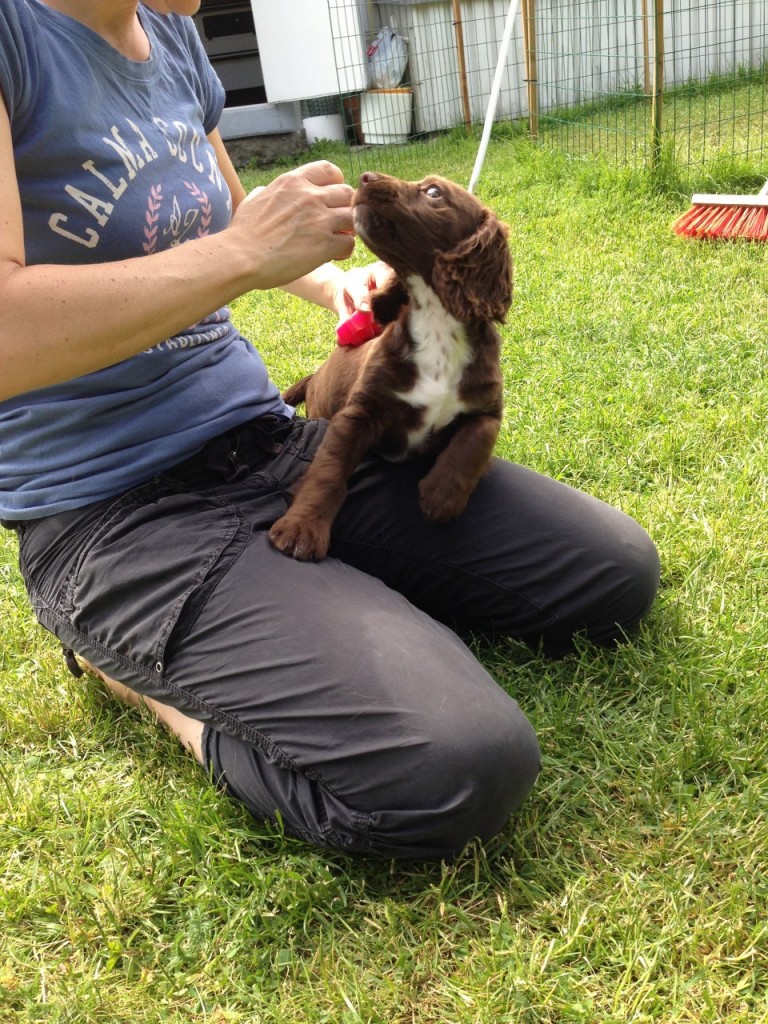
(131, 576)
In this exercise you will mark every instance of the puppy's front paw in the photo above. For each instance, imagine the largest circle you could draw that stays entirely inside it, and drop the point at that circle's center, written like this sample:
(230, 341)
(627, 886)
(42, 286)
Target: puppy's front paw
(441, 501)
(305, 541)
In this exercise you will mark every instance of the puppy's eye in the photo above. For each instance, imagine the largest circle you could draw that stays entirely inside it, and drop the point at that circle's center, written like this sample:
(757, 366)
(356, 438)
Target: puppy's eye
(433, 191)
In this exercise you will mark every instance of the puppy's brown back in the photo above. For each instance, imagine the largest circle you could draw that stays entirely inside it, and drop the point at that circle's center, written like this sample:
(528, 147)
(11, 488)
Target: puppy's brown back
(327, 390)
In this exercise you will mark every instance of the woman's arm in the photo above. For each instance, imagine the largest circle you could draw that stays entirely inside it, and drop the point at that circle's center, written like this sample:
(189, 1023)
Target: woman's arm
(59, 322)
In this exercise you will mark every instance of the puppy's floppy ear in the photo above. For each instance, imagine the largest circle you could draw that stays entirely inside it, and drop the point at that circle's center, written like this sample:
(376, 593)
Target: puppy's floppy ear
(387, 301)
(474, 279)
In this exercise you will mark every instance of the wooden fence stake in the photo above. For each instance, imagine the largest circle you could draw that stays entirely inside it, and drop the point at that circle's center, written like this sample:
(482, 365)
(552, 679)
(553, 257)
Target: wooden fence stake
(658, 83)
(529, 44)
(459, 30)
(646, 51)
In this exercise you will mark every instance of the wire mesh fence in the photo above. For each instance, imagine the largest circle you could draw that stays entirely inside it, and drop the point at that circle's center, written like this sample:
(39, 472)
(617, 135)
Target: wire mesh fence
(628, 80)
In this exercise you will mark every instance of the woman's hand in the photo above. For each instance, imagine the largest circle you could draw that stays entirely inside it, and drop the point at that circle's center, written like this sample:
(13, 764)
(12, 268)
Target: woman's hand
(356, 285)
(298, 222)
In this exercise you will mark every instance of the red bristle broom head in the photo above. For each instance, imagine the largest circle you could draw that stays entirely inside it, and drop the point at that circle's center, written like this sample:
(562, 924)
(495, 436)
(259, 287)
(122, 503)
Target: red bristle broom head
(726, 217)
(706, 222)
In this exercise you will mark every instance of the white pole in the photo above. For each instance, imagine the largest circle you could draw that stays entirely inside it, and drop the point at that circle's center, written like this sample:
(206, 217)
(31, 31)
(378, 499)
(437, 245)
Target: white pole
(494, 97)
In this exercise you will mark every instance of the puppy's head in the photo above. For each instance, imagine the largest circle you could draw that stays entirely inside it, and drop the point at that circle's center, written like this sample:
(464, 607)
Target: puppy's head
(436, 229)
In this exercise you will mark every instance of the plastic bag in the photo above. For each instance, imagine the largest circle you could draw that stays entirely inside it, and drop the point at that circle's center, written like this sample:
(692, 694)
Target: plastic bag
(387, 57)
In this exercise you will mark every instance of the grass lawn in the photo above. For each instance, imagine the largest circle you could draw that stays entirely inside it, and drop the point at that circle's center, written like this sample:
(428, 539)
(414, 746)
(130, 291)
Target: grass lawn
(701, 121)
(632, 885)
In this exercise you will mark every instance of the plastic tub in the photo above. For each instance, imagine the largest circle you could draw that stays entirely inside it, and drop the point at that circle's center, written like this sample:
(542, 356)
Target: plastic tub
(385, 115)
(324, 126)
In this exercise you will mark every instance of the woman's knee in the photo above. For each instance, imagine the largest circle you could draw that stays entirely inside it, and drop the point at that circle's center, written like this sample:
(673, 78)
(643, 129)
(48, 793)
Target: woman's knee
(609, 589)
(476, 771)
(631, 585)
(471, 770)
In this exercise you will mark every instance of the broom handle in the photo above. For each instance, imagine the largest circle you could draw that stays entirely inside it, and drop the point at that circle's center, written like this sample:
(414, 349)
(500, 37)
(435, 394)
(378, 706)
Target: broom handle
(704, 199)
(495, 89)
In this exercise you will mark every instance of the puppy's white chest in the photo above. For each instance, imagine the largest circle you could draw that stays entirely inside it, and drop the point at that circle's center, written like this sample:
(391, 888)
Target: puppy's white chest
(441, 354)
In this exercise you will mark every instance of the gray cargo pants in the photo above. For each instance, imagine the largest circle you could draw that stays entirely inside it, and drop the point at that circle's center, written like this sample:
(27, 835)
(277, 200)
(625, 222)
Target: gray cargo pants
(338, 693)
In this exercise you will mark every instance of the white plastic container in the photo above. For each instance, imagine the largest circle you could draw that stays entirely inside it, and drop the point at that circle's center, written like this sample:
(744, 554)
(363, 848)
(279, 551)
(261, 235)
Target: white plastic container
(385, 115)
(324, 126)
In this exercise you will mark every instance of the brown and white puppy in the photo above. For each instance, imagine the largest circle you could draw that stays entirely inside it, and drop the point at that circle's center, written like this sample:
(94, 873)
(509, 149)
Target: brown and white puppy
(431, 381)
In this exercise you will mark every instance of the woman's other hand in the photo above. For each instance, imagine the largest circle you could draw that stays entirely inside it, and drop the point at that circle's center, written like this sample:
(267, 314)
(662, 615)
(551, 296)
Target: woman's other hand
(356, 286)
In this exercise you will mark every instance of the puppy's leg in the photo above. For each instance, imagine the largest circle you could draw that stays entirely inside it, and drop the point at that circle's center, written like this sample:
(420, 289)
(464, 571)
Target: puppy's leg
(445, 490)
(305, 529)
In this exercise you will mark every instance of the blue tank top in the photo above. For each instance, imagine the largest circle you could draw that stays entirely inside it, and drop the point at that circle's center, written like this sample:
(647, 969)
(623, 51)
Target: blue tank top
(113, 162)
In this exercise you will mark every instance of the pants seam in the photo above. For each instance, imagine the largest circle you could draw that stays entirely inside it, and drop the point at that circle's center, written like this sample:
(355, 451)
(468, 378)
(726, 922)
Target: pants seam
(552, 618)
(83, 644)
(360, 822)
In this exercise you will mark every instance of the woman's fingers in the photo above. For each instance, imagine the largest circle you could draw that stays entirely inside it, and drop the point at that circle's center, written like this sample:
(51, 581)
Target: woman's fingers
(300, 220)
(319, 172)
